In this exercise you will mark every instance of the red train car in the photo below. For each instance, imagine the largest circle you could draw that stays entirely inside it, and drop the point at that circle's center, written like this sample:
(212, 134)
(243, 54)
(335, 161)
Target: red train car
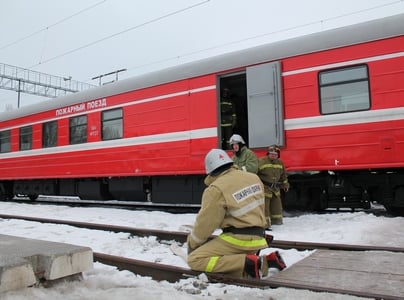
(333, 101)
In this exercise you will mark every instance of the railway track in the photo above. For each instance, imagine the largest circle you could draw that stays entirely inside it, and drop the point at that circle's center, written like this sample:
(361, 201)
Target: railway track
(132, 205)
(173, 274)
(166, 207)
(181, 236)
(170, 273)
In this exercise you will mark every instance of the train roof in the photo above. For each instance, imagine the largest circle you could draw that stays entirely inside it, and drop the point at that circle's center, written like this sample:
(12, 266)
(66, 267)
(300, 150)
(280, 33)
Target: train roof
(329, 39)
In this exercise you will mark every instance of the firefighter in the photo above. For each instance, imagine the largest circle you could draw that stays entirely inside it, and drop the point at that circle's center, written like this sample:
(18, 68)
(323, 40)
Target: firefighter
(271, 171)
(228, 117)
(243, 157)
(234, 202)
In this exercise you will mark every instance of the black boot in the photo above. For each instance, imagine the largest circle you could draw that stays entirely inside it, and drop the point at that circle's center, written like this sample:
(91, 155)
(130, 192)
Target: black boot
(255, 266)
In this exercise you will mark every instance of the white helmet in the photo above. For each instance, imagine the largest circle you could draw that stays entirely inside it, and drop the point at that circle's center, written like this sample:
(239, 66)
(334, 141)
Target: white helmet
(235, 139)
(215, 159)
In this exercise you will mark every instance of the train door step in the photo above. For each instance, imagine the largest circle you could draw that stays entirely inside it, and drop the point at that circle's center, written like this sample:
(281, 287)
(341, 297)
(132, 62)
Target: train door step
(361, 273)
(24, 262)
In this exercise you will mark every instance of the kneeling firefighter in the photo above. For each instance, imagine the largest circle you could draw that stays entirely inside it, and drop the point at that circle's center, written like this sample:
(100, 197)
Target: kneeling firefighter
(234, 202)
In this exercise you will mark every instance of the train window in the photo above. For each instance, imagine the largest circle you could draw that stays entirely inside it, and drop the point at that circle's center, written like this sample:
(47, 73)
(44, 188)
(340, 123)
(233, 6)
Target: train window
(112, 124)
(49, 134)
(344, 90)
(78, 130)
(5, 141)
(26, 138)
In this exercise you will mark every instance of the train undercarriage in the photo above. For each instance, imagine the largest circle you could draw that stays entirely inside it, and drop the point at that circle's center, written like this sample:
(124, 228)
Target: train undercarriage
(346, 189)
(310, 191)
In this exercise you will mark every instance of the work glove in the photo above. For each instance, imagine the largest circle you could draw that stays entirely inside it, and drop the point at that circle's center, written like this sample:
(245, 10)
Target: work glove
(191, 245)
(189, 249)
(285, 187)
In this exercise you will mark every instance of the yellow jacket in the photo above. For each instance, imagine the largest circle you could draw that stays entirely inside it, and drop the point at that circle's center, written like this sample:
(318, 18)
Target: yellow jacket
(232, 199)
(272, 173)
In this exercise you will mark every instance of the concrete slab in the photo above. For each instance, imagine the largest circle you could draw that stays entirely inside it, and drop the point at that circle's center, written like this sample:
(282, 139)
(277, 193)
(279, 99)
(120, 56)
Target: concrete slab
(24, 261)
(15, 273)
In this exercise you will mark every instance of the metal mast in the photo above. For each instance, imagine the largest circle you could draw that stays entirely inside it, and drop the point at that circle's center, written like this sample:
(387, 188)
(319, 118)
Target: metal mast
(36, 83)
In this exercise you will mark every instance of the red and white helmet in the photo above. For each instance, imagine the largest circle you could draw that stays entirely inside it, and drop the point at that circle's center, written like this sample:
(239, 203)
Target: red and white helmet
(215, 159)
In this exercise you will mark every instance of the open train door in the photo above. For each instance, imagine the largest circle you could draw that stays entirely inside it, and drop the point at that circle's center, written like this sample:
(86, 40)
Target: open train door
(265, 105)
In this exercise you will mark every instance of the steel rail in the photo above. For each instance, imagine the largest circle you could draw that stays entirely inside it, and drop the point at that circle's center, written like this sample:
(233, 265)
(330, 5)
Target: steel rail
(130, 205)
(158, 271)
(169, 273)
(181, 236)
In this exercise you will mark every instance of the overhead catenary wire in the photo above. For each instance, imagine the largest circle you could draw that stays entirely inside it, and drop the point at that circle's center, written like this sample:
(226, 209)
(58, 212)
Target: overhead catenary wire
(171, 14)
(52, 25)
(209, 48)
(15, 42)
(97, 41)
(176, 57)
(121, 32)
(263, 35)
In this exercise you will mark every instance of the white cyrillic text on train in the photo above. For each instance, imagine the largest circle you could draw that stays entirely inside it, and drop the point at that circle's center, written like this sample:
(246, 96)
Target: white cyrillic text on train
(95, 104)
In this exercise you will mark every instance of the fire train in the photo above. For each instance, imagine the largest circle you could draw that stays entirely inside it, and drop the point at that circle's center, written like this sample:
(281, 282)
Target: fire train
(333, 101)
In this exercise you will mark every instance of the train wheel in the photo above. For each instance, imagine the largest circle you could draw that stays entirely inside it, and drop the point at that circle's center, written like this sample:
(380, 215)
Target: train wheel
(4, 196)
(33, 197)
(9, 197)
(395, 211)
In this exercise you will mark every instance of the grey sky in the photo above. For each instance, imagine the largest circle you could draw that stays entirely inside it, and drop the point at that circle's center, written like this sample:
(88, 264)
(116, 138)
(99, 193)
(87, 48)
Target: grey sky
(86, 38)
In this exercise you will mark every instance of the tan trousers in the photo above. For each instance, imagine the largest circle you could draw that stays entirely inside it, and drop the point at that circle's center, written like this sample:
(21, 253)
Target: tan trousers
(273, 207)
(218, 256)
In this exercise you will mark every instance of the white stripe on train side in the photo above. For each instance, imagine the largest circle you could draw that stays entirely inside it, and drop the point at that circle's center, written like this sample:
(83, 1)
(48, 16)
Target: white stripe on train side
(344, 63)
(359, 117)
(141, 140)
(133, 102)
(380, 115)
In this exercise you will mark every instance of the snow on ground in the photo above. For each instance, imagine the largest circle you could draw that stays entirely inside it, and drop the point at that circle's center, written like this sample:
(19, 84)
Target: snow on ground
(106, 282)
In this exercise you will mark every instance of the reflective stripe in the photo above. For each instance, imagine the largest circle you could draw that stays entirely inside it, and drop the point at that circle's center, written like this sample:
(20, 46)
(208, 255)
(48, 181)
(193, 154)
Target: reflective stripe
(245, 209)
(276, 216)
(253, 243)
(212, 263)
(266, 166)
(246, 192)
(269, 195)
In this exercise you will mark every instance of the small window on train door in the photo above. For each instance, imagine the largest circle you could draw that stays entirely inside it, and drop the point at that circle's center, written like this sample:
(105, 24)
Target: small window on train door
(112, 124)
(5, 141)
(344, 90)
(26, 138)
(49, 134)
(78, 130)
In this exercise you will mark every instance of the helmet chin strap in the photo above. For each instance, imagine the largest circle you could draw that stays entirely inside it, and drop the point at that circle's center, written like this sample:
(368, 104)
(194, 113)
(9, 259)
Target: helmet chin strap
(238, 152)
(221, 169)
